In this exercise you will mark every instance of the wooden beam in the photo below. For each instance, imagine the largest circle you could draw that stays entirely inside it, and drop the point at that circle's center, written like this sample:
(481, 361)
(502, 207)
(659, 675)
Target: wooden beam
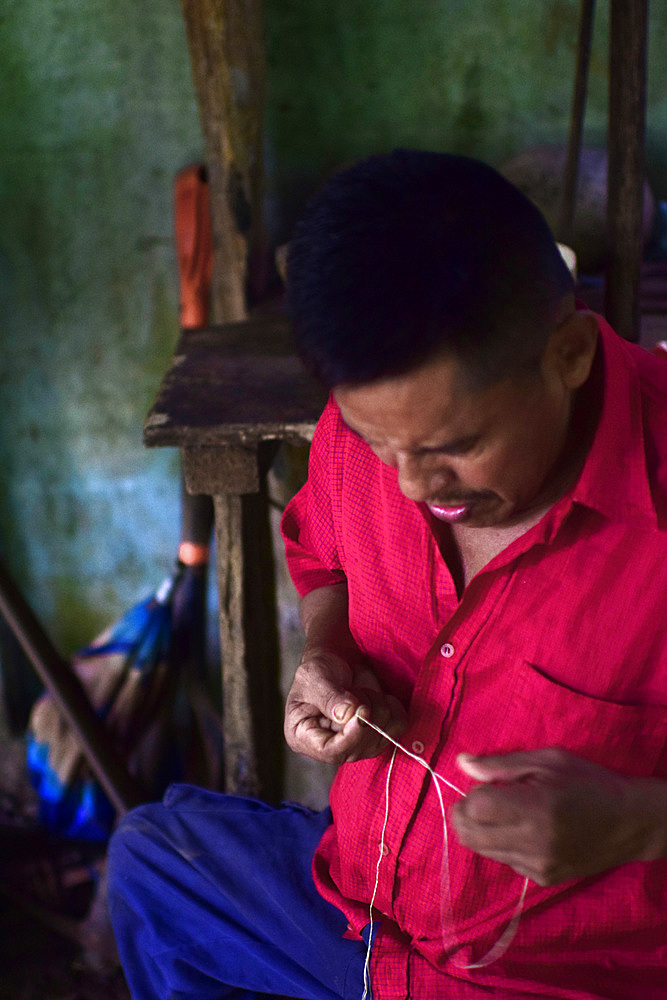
(252, 703)
(227, 58)
(226, 55)
(625, 143)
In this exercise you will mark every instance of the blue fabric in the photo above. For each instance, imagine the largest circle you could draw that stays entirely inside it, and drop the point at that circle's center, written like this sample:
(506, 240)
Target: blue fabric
(142, 634)
(211, 896)
(75, 806)
(78, 809)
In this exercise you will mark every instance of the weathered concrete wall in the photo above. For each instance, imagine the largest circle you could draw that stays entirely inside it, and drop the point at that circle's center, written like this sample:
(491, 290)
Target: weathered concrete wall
(478, 77)
(98, 115)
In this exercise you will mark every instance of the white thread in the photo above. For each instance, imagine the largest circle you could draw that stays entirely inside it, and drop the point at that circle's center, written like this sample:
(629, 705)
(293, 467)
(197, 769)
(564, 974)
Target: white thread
(505, 939)
(367, 963)
(420, 760)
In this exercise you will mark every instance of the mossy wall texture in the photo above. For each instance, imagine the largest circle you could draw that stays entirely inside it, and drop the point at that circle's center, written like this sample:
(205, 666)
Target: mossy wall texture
(98, 115)
(482, 78)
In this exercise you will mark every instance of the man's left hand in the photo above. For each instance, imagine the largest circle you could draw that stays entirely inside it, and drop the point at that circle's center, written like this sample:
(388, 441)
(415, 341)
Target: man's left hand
(553, 816)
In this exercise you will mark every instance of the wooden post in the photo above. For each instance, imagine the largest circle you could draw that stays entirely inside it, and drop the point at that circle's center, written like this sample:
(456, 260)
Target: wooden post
(249, 643)
(226, 55)
(625, 143)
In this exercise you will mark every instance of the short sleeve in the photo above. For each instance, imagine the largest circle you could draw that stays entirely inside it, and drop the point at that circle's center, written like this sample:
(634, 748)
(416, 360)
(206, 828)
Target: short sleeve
(307, 526)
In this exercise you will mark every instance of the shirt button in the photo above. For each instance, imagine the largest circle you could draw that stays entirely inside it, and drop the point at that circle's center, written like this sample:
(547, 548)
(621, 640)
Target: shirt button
(385, 850)
(418, 746)
(447, 650)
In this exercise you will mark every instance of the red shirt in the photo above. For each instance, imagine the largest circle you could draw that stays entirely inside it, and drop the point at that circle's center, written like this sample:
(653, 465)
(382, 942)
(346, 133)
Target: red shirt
(560, 640)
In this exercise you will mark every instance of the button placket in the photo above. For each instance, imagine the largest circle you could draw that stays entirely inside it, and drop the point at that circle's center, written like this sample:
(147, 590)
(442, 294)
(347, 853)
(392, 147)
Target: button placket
(410, 776)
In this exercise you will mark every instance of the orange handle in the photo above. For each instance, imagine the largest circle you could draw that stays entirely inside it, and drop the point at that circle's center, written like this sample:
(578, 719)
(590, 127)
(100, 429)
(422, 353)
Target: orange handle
(194, 245)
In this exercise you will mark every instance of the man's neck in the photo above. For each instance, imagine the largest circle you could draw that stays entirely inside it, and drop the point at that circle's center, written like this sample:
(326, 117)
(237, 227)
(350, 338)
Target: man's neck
(468, 550)
(476, 547)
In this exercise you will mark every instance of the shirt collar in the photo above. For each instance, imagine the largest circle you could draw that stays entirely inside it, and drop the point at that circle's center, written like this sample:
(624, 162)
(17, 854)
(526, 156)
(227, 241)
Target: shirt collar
(614, 479)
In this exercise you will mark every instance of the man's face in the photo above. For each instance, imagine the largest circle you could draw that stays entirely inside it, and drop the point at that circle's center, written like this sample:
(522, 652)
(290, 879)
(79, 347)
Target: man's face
(487, 457)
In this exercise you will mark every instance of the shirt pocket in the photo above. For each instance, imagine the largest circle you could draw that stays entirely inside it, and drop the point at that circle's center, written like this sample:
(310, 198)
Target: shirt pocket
(626, 738)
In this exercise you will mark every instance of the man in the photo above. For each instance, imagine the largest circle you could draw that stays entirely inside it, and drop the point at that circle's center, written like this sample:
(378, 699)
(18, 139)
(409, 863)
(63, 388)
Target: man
(481, 555)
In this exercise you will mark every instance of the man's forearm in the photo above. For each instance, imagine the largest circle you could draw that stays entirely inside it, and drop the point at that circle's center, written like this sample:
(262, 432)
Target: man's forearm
(331, 683)
(324, 616)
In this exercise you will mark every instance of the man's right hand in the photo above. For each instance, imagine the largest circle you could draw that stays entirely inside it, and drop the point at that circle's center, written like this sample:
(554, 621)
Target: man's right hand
(320, 713)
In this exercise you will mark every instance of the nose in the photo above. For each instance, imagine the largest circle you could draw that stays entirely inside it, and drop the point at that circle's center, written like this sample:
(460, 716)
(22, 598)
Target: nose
(418, 480)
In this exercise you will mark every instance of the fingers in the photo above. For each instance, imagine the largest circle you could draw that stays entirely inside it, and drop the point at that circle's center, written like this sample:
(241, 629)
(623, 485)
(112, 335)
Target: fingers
(312, 736)
(325, 681)
(320, 714)
(553, 817)
(515, 826)
(384, 711)
(316, 736)
(543, 764)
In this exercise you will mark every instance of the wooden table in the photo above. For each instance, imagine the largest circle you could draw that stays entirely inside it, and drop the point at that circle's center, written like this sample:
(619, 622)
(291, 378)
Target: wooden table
(231, 395)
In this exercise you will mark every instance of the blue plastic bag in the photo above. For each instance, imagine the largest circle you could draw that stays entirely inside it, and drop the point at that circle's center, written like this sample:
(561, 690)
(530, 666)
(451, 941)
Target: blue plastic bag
(126, 673)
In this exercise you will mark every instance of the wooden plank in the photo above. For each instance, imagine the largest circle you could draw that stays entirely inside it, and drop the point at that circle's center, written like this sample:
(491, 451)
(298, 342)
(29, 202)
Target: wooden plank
(217, 471)
(234, 384)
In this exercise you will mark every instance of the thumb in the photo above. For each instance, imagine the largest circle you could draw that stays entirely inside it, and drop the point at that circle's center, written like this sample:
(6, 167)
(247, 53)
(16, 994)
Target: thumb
(497, 767)
(343, 708)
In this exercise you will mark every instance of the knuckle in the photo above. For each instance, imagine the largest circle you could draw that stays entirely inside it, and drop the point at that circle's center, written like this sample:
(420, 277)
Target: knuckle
(304, 671)
(289, 730)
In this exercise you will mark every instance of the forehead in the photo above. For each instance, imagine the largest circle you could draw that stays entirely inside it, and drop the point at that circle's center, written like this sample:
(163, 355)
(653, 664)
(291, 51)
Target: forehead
(434, 401)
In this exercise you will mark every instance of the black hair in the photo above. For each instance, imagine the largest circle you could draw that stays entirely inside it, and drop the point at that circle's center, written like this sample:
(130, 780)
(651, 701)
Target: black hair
(408, 255)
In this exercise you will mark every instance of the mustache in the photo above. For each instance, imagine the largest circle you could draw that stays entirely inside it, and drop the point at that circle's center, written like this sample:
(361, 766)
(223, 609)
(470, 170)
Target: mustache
(466, 498)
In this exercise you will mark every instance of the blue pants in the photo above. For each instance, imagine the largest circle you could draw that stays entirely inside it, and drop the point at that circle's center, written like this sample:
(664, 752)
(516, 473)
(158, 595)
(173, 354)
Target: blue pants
(211, 896)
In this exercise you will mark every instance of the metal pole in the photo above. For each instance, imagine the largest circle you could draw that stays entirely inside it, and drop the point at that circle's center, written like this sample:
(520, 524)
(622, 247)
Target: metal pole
(625, 144)
(70, 696)
(565, 229)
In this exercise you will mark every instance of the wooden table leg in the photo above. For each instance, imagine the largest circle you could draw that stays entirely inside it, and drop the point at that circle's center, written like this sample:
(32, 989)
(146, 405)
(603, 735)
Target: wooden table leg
(252, 705)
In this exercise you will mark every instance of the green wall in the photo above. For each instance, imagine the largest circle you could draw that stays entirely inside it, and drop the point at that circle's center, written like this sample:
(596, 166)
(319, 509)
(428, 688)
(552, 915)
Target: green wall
(478, 77)
(98, 115)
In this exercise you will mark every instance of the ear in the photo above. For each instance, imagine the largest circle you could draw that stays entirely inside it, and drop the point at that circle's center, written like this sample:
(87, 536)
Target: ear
(571, 348)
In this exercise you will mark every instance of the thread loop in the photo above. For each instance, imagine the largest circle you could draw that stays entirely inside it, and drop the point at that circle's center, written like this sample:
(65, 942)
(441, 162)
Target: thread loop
(507, 936)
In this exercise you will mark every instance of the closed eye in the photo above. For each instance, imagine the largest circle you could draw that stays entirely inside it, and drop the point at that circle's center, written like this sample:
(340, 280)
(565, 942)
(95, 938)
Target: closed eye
(459, 447)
